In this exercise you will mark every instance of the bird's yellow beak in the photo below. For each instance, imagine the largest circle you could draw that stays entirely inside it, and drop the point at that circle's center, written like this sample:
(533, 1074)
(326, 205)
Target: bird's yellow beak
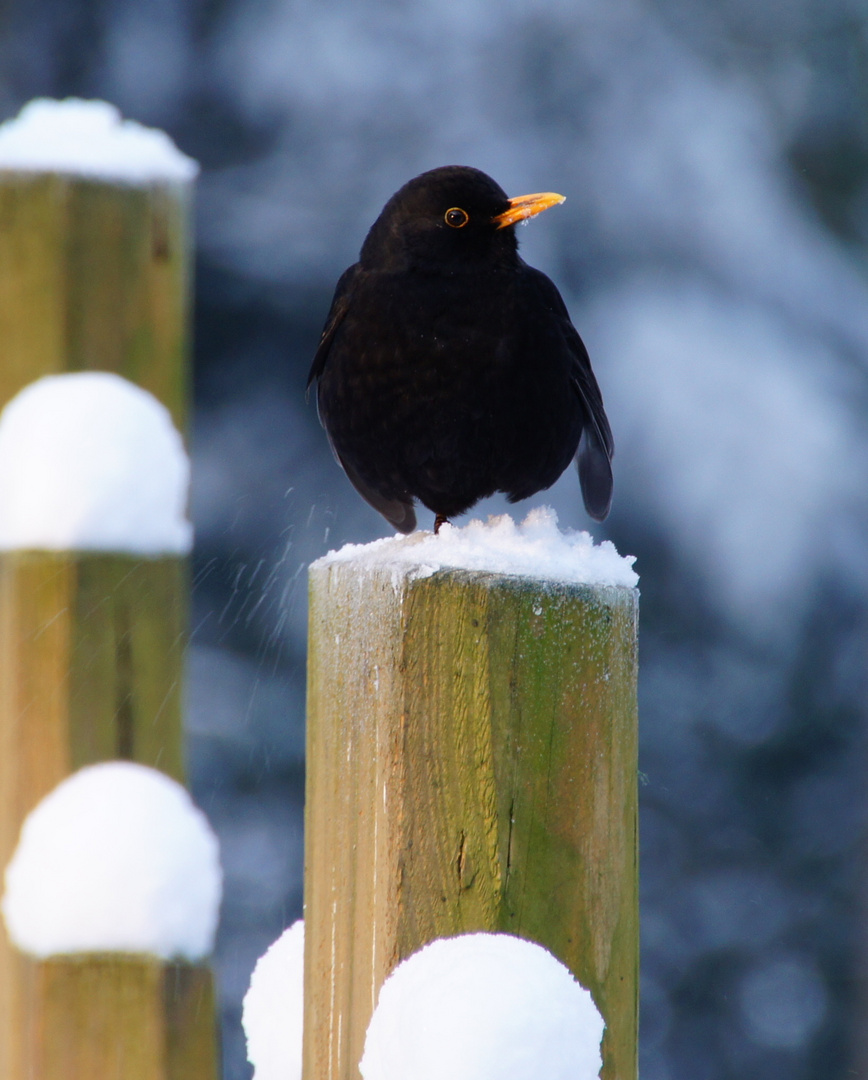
(527, 206)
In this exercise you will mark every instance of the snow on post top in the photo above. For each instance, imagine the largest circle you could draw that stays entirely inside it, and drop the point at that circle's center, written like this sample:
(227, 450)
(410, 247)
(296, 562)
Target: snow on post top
(115, 859)
(483, 1007)
(273, 1015)
(89, 138)
(536, 549)
(91, 462)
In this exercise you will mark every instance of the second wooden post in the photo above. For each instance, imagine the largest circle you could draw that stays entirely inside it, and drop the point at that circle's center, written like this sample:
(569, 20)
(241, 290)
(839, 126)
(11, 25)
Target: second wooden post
(472, 747)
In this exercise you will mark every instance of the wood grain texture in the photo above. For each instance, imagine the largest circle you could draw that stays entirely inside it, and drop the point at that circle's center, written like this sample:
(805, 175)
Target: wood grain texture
(472, 747)
(91, 664)
(118, 1017)
(94, 276)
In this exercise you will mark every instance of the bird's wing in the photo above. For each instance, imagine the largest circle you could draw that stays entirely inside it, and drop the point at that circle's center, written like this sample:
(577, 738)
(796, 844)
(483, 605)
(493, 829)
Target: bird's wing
(596, 447)
(339, 308)
(397, 512)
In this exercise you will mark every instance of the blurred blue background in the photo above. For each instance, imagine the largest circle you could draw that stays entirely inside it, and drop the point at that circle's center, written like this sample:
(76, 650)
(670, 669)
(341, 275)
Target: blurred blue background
(712, 250)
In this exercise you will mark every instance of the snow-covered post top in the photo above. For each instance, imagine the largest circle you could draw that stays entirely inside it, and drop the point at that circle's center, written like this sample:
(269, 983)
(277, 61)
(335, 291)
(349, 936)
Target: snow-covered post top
(113, 893)
(471, 766)
(91, 462)
(483, 1007)
(95, 254)
(115, 859)
(93, 606)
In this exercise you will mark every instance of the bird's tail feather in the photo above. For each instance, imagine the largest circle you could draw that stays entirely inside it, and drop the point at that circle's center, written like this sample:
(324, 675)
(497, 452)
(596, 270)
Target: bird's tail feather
(595, 474)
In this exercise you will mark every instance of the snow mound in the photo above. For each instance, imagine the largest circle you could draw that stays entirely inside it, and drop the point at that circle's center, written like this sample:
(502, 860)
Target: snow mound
(536, 548)
(483, 1007)
(89, 138)
(274, 1008)
(91, 462)
(115, 859)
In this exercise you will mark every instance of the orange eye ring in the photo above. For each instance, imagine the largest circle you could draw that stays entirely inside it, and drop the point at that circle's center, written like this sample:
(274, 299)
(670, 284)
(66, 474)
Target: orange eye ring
(456, 218)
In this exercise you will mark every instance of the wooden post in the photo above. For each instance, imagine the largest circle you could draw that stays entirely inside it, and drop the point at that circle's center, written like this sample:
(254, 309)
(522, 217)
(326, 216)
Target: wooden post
(117, 1017)
(94, 274)
(471, 765)
(91, 667)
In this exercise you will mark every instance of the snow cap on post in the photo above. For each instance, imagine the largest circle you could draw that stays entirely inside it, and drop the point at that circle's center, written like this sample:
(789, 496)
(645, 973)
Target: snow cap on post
(536, 548)
(90, 139)
(115, 859)
(273, 1015)
(483, 1007)
(91, 462)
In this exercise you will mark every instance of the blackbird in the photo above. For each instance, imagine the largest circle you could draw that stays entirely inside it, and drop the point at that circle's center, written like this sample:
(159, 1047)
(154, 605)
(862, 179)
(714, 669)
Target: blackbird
(448, 368)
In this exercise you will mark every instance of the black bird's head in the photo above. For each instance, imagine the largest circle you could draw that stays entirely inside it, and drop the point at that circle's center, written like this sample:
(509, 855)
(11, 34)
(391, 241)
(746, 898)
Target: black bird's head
(450, 220)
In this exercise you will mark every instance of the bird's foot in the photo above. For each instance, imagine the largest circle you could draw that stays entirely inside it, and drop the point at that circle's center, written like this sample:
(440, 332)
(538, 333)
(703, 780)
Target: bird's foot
(440, 519)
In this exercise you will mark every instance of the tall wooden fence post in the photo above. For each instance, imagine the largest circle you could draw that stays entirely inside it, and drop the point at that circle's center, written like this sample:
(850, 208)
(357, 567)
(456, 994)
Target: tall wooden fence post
(94, 274)
(472, 748)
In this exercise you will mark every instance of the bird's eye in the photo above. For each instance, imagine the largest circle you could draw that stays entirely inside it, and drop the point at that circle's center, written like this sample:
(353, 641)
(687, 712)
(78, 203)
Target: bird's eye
(456, 217)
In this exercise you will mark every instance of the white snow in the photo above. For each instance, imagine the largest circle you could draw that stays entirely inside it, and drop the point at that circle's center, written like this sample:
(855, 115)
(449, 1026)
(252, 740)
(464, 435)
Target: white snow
(117, 858)
(91, 462)
(274, 1008)
(483, 1007)
(89, 138)
(536, 548)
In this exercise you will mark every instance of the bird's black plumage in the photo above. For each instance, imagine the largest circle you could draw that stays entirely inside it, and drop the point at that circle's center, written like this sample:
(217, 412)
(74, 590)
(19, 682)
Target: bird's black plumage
(448, 368)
